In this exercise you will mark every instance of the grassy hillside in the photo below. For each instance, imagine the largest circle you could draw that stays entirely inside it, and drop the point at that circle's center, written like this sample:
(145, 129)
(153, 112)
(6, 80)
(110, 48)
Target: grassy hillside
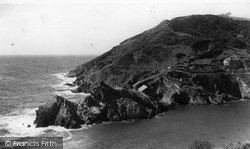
(201, 39)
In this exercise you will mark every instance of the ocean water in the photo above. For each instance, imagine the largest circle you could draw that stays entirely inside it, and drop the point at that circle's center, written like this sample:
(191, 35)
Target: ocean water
(175, 129)
(28, 81)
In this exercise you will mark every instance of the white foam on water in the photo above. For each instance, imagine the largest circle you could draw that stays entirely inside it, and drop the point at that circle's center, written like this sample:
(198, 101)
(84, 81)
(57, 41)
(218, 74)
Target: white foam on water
(65, 90)
(64, 80)
(17, 122)
(20, 123)
(68, 93)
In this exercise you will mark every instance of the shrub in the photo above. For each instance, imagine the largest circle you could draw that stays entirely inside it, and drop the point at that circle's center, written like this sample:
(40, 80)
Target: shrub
(197, 144)
(238, 146)
(201, 145)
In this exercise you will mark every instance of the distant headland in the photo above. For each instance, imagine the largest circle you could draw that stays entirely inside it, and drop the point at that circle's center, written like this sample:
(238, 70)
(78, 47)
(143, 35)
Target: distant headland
(197, 59)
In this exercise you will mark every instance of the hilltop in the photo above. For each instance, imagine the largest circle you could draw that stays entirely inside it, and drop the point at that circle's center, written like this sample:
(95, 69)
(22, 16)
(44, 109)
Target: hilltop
(199, 38)
(198, 59)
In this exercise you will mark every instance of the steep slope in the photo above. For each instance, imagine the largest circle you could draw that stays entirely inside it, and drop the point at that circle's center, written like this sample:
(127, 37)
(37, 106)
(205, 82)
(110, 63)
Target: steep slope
(143, 54)
(198, 59)
(155, 49)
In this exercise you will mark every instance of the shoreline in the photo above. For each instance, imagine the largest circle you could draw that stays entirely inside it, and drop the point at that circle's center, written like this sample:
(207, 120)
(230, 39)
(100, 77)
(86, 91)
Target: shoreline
(64, 90)
(169, 122)
(71, 132)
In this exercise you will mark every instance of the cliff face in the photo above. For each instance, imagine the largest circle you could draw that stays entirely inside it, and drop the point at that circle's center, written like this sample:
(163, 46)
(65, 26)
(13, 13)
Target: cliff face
(187, 60)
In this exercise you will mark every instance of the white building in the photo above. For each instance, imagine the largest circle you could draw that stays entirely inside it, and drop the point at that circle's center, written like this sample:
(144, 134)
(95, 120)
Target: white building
(226, 61)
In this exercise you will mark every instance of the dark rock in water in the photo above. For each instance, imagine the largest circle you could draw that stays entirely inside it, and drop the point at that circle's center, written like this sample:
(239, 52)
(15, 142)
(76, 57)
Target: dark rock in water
(70, 84)
(29, 125)
(178, 62)
(67, 116)
(3, 132)
(59, 112)
(46, 114)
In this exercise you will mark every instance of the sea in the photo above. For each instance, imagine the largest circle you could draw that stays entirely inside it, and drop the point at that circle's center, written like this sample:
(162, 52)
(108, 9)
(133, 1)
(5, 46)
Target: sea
(26, 82)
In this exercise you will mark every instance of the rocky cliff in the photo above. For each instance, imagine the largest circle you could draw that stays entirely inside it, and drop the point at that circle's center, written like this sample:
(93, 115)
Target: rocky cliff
(199, 59)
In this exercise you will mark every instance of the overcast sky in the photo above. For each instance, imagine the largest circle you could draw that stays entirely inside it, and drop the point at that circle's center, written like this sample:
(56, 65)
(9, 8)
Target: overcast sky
(53, 27)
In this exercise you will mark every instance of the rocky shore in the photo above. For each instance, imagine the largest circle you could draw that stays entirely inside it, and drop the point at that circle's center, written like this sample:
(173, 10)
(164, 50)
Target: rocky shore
(200, 59)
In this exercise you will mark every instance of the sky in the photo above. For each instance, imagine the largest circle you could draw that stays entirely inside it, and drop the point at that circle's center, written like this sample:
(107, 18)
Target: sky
(92, 27)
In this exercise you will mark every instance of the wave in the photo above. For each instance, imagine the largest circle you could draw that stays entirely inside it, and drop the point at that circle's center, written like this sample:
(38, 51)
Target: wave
(20, 123)
(62, 89)
(64, 80)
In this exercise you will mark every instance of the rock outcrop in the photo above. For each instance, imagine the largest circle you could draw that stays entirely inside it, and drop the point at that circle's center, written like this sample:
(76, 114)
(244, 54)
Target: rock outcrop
(178, 62)
(59, 112)
(106, 103)
(103, 104)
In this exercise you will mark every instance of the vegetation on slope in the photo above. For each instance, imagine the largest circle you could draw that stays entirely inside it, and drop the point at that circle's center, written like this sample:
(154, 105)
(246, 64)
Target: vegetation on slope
(197, 37)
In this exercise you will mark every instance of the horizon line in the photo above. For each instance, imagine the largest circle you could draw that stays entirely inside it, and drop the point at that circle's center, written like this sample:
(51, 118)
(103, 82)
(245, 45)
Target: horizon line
(48, 55)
